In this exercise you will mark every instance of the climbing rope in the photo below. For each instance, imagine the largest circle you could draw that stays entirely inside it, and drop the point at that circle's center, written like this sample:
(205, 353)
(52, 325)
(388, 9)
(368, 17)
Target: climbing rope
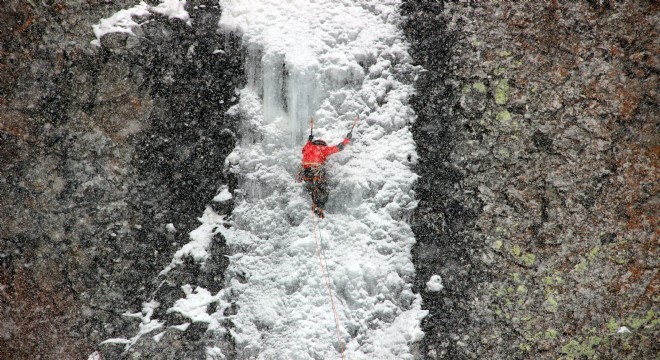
(325, 275)
(322, 261)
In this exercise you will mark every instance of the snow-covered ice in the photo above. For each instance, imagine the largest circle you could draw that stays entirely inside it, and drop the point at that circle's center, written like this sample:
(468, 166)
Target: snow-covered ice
(333, 60)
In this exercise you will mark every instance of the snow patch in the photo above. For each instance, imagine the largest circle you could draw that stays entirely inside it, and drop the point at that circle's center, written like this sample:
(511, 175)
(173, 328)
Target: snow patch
(182, 327)
(195, 305)
(173, 9)
(146, 326)
(122, 21)
(623, 330)
(224, 195)
(158, 336)
(214, 352)
(201, 238)
(434, 284)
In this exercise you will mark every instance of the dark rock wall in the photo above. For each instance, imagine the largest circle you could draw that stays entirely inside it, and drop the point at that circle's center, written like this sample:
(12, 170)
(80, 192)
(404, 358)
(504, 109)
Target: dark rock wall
(538, 140)
(100, 148)
(537, 136)
(445, 214)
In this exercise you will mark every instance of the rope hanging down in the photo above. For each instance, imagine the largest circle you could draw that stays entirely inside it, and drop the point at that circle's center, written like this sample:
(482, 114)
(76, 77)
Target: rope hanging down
(318, 248)
(327, 281)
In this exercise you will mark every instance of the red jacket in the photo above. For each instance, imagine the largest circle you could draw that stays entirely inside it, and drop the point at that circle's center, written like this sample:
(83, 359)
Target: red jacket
(315, 155)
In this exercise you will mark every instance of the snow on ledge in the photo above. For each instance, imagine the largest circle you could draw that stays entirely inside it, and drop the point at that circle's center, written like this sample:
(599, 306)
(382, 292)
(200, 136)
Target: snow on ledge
(182, 327)
(173, 9)
(146, 326)
(122, 21)
(95, 356)
(195, 305)
(200, 239)
(158, 336)
(224, 195)
(623, 330)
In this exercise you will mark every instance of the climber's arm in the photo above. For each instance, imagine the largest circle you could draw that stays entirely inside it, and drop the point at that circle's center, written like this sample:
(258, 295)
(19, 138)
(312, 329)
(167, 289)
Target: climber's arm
(337, 148)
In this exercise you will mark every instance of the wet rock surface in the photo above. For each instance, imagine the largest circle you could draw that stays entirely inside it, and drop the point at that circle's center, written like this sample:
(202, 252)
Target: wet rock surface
(537, 136)
(101, 148)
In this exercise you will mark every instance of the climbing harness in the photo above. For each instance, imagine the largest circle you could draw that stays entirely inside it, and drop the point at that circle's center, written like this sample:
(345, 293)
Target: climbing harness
(313, 174)
(325, 277)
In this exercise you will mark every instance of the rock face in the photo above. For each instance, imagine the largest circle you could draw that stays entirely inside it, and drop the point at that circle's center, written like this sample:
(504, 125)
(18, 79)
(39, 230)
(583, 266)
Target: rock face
(101, 149)
(537, 134)
(538, 145)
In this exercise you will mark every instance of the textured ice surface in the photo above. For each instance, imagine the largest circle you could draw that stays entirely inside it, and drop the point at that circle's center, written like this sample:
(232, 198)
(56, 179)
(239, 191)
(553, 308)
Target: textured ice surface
(332, 60)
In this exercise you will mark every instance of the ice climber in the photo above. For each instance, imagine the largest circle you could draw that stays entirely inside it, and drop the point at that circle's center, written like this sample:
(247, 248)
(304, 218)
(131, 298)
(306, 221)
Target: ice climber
(315, 152)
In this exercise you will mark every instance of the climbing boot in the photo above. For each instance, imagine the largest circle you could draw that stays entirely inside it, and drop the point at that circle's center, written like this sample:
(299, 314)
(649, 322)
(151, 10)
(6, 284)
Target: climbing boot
(319, 212)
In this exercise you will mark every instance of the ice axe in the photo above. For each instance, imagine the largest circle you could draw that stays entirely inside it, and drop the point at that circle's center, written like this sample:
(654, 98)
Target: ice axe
(350, 133)
(311, 129)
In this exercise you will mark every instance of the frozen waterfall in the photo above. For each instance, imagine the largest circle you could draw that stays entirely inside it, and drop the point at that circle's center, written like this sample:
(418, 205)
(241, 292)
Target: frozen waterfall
(332, 60)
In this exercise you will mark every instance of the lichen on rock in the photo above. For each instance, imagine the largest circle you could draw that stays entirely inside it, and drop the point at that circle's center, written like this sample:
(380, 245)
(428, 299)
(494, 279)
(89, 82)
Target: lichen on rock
(550, 175)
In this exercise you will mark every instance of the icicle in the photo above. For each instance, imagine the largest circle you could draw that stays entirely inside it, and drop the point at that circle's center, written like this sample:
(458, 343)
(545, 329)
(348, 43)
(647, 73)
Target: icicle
(302, 96)
(273, 81)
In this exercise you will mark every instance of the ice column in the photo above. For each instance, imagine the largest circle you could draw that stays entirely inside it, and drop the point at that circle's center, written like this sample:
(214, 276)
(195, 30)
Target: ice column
(273, 72)
(303, 98)
(290, 94)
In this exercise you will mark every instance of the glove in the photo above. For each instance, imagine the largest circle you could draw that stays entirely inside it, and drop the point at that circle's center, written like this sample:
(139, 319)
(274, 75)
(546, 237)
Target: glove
(349, 135)
(310, 138)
